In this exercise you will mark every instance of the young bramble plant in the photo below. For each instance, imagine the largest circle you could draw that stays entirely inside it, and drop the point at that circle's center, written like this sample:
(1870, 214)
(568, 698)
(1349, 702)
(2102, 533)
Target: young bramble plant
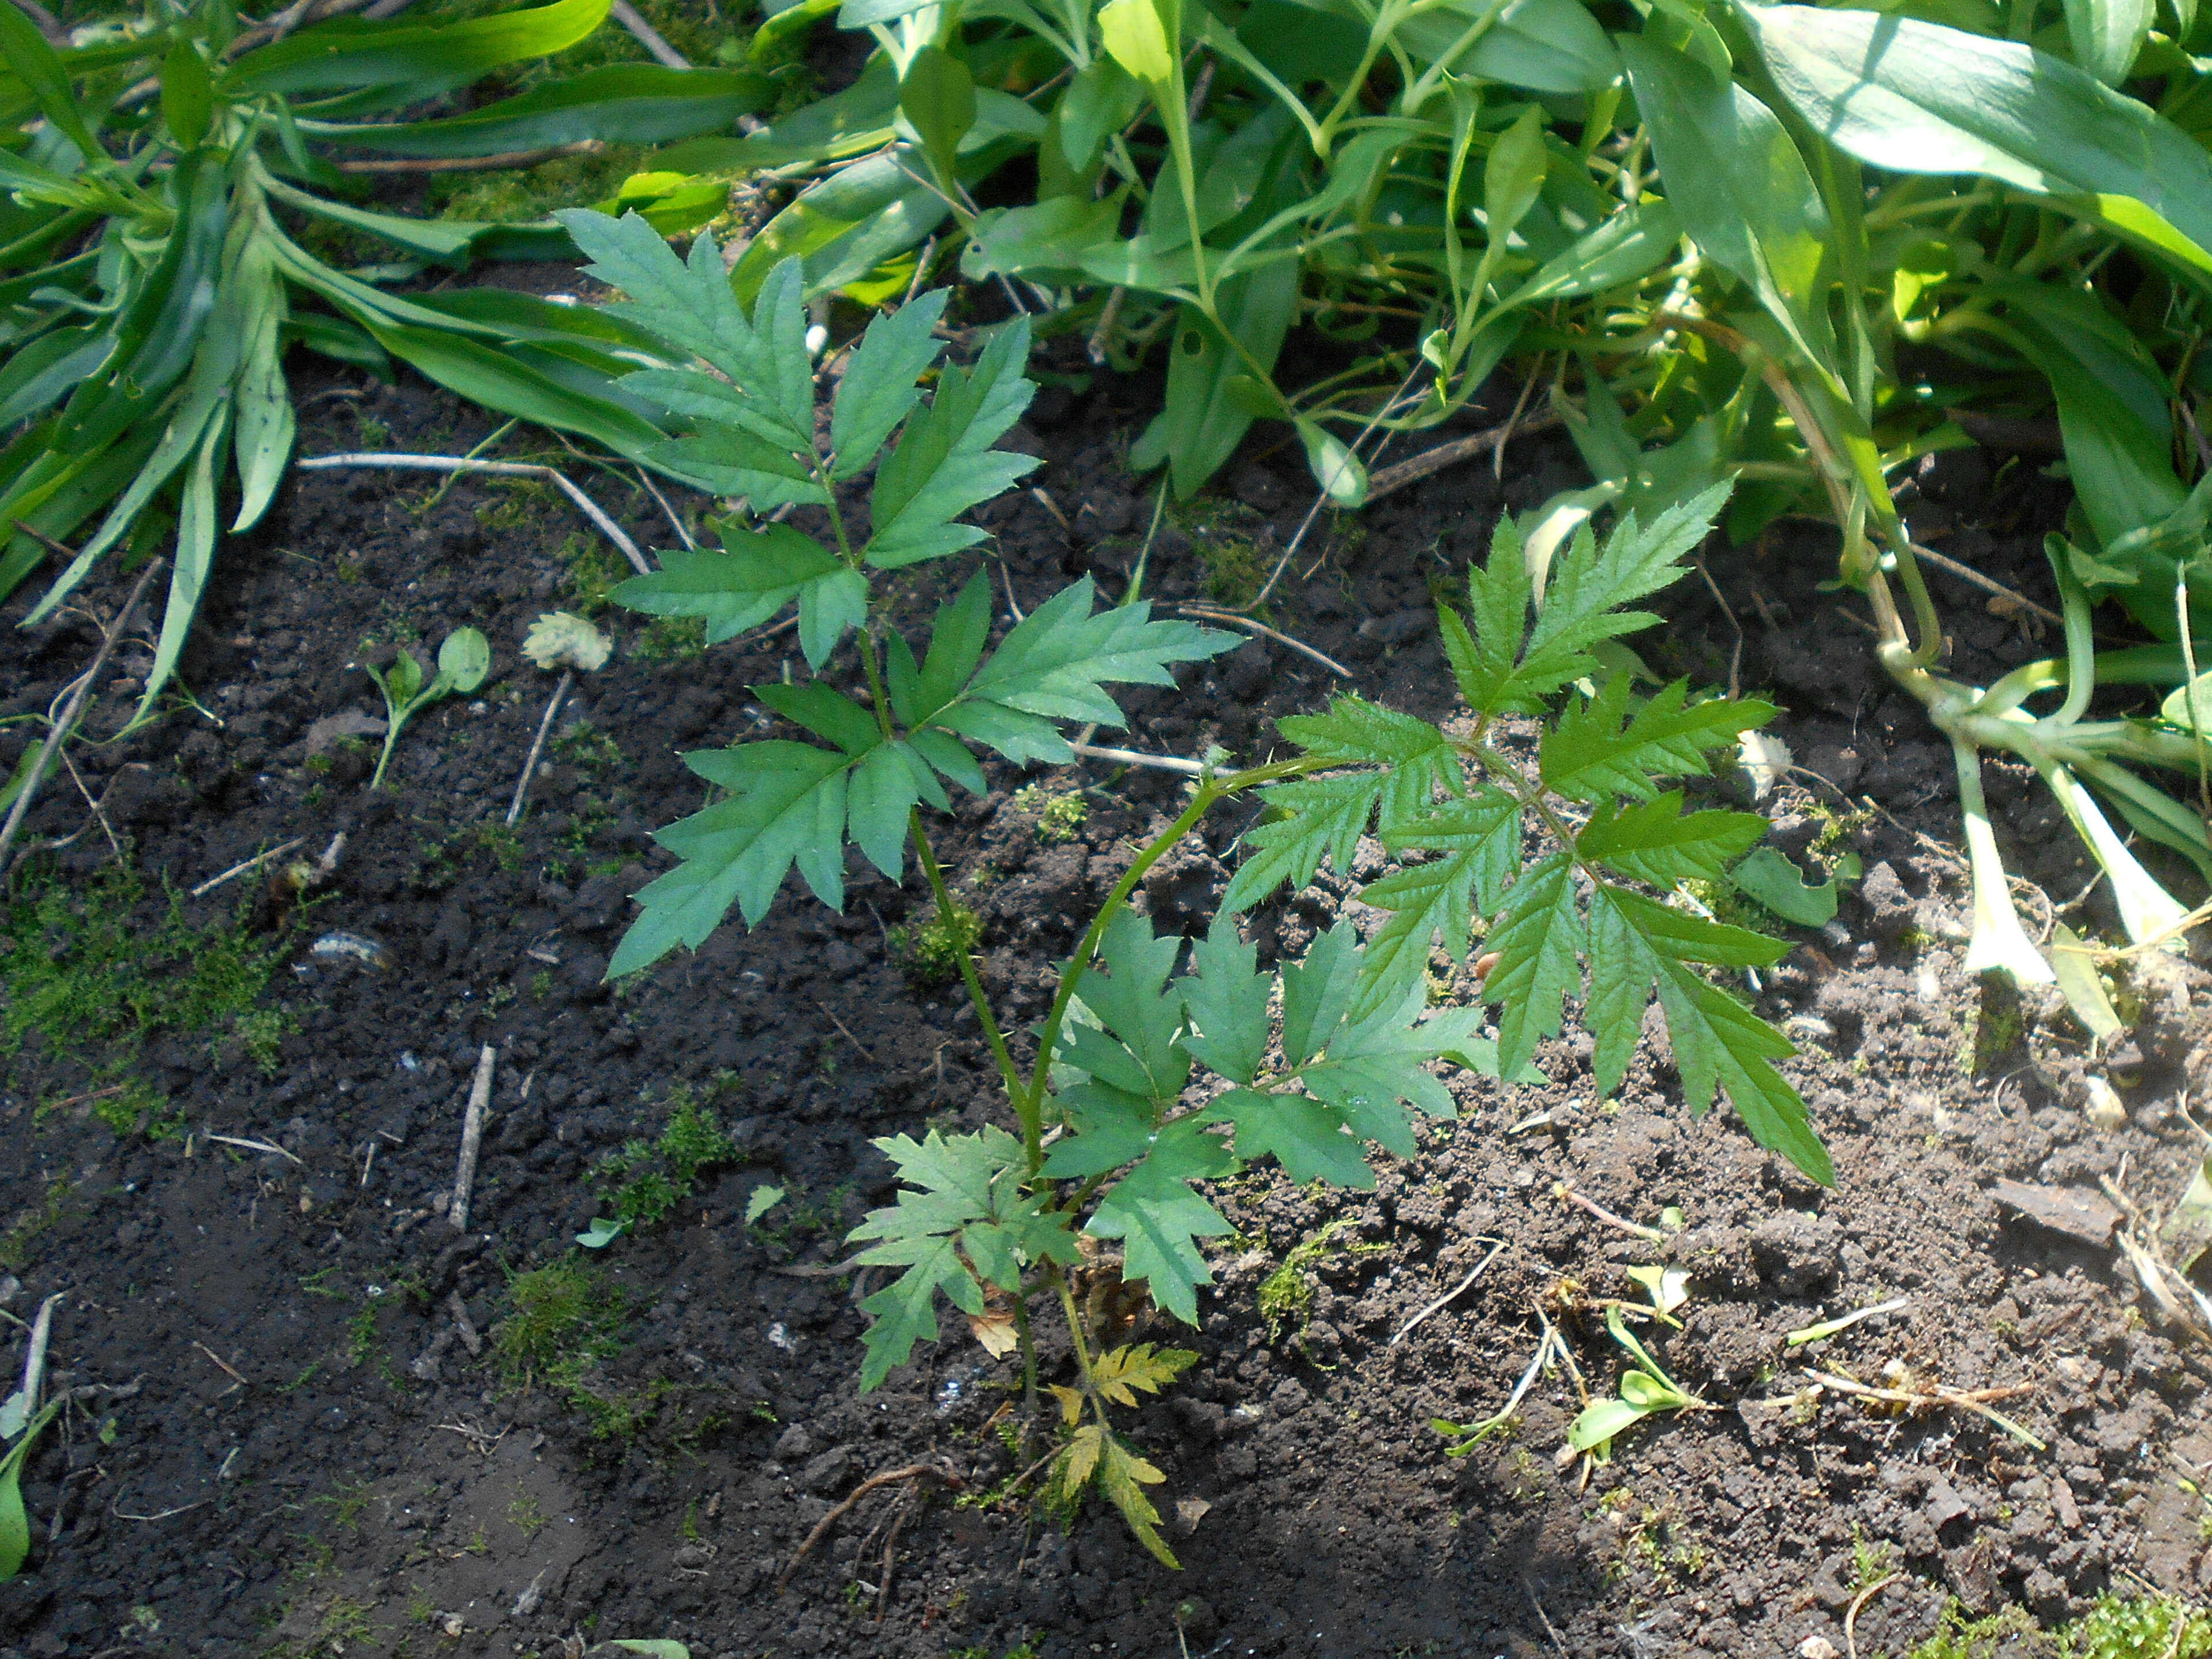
(1322, 1058)
(463, 661)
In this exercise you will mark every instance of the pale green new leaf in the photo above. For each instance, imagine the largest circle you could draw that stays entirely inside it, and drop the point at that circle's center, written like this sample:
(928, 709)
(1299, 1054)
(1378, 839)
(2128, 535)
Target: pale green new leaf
(1611, 745)
(1537, 939)
(945, 464)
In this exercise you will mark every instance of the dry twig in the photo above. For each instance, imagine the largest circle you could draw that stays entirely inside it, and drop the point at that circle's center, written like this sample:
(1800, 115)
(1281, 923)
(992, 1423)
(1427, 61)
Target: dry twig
(465, 1173)
(590, 509)
(1207, 613)
(537, 745)
(1497, 1245)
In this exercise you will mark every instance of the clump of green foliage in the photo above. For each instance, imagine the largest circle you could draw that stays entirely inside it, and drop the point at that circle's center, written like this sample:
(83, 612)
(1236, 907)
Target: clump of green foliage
(2117, 1627)
(85, 970)
(566, 1316)
(1288, 1294)
(647, 1179)
(929, 951)
(1140, 1023)
(1058, 818)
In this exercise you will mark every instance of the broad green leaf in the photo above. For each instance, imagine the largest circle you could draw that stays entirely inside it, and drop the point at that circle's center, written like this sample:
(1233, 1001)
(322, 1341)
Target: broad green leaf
(1537, 939)
(1917, 97)
(187, 96)
(786, 804)
(956, 638)
(1101, 98)
(1134, 38)
(2106, 34)
(194, 557)
(1225, 1001)
(464, 660)
(1770, 879)
(422, 59)
(1735, 176)
(620, 103)
(945, 464)
(843, 227)
(1613, 745)
(937, 95)
(1049, 240)
(499, 379)
(1202, 422)
(1546, 45)
(1593, 1430)
(1131, 999)
(756, 574)
(826, 712)
(1159, 1220)
(879, 387)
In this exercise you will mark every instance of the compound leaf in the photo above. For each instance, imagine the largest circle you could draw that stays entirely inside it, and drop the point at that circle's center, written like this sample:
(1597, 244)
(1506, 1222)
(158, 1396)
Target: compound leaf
(1655, 841)
(1308, 1138)
(880, 388)
(1122, 1475)
(1226, 1003)
(1120, 1373)
(1537, 939)
(786, 804)
(753, 578)
(1323, 817)
(1317, 991)
(768, 384)
(1610, 744)
(945, 464)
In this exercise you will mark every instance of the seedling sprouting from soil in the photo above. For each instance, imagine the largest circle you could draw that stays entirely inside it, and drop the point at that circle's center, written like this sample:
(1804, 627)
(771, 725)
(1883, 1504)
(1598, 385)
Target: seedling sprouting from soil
(1312, 1063)
(463, 661)
(1645, 1388)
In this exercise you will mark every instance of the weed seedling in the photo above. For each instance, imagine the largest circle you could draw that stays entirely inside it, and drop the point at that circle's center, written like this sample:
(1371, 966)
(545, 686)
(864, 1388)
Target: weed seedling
(1312, 1063)
(463, 661)
(1058, 818)
(1645, 1388)
(647, 1179)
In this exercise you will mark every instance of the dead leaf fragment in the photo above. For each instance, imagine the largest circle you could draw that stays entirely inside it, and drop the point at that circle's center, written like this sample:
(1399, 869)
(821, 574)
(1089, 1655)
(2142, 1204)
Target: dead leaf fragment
(1190, 1511)
(995, 1331)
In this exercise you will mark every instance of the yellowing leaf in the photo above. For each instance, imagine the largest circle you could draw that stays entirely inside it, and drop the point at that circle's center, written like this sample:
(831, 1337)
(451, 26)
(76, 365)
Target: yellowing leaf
(1138, 1366)
(561, 640)
(1071, 1403)
(1080, 1460)
(1122, 1477)
(994, 1329)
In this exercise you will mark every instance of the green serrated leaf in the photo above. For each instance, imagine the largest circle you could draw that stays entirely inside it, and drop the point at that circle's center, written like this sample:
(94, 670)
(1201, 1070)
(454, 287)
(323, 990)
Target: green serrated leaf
(1159, 1220)
(1317, 992)
(1481, 838)
(1718, 1043)
(1611, 745)
(787, 805)
(763, 357)
(1657, 842)
(1323, 817)
(1123, 1476)
(879, 387)
(1771, 880)
(945, 464)
(1309, 1139)
(756, 576)
(1538, 938)
(1132, 1000)
(1054, 663)
(826, 712)
(1226, 1001)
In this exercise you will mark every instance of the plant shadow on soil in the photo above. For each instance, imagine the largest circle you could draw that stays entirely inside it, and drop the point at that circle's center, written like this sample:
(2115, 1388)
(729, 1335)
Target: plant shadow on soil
(354, 1430)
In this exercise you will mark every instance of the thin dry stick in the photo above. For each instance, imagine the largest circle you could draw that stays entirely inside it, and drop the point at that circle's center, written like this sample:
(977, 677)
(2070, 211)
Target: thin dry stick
(1321, 496)
(465, 1173)
(1651, 1234)
(1544, 1618)
(911, 1471)
(1852, 1614)
(255, 1146)
(236, 870)
(538, 743)
(1736, 655)
(1445, 1300)
(1435, 460)
(58, 734)
(34, 1361)
(504, 161)
(891, 1556)
(1133, 757)
(1975, 1400)
(646, 36)
(1209, 614)
(1967, 573)
(842, 1026)
(590, 509)
(228, 1369)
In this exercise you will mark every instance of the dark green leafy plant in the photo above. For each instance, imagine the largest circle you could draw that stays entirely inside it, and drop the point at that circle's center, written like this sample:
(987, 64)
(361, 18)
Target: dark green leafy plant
(161, 181)
(1312, 1064)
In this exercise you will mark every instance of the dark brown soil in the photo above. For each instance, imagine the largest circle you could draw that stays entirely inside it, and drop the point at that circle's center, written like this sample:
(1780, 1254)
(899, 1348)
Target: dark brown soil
(314, 1458)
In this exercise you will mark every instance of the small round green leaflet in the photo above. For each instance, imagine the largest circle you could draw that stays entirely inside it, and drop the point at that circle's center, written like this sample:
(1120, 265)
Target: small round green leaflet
(463, 661)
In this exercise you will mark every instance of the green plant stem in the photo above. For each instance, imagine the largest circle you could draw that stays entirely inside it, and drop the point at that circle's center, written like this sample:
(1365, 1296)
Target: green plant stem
(1009, 1073)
